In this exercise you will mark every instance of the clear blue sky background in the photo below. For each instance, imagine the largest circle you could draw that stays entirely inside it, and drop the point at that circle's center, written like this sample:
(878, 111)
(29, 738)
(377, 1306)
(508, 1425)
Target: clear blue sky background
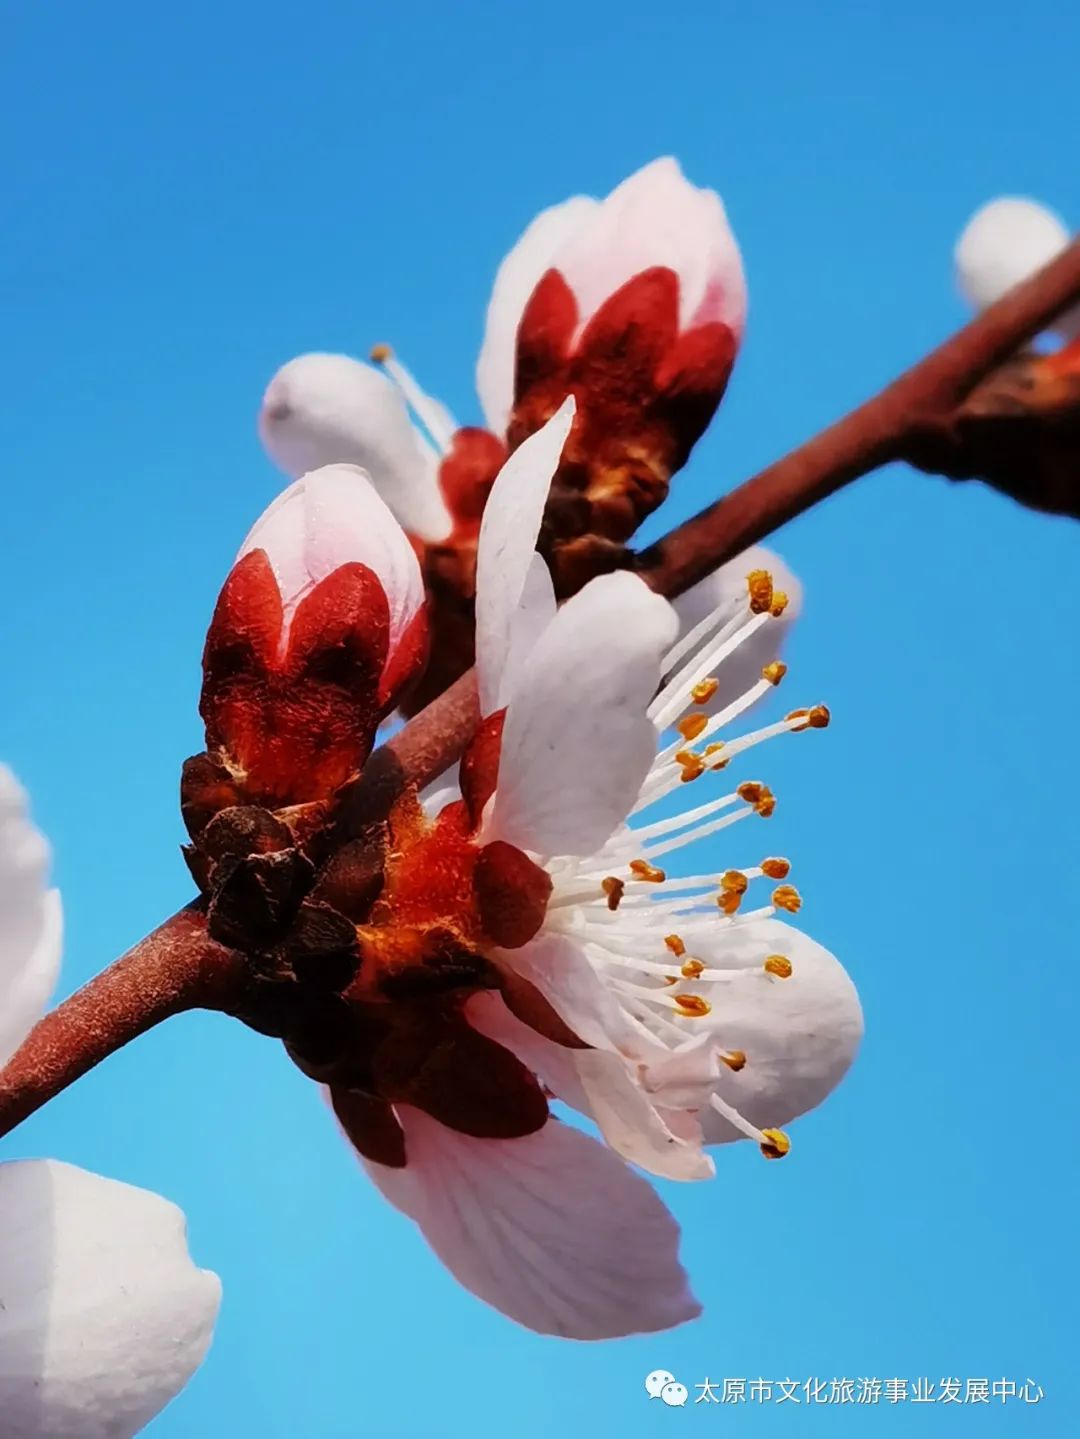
(196, 193)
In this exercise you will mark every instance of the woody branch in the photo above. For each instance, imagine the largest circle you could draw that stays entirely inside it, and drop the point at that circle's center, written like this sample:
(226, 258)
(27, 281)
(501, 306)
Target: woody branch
(178, 967)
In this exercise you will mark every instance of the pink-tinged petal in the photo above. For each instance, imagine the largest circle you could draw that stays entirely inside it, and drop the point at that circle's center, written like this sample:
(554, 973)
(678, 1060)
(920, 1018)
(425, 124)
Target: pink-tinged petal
(657, 218)
(552, 1229)
(800, 1035)
(31, 922)
(1006, 242)
(577, 743)
(725, 588)
(631, 1123)
(330, 518)
(331, 409)
(507, 545)
(103, 1318)
(517, 277)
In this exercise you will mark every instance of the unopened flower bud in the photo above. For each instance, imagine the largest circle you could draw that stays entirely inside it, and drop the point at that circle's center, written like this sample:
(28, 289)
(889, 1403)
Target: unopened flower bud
(318, 628)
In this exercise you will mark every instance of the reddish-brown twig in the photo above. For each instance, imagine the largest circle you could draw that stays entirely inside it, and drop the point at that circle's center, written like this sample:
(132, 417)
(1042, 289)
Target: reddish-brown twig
(175, 968)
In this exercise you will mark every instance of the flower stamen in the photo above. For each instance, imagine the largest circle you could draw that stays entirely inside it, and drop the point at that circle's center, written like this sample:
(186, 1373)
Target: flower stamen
(646, 872)
(614, 889)
(692, 1005)
(776, 1145)
(787, 897)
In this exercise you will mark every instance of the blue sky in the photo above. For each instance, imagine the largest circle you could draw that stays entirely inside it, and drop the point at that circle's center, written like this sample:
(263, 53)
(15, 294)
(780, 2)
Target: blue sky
(196, 193)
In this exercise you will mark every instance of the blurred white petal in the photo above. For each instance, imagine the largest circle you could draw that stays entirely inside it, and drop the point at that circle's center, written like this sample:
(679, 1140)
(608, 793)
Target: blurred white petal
(103, 1316)
(30, 920)
(1005, 242)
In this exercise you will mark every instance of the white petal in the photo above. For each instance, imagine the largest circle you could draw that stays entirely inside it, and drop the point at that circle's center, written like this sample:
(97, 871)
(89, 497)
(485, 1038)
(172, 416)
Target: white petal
(518, 275)
(551, 1229)
(534, 613)
(600, 1082)
(577, 742)
(557, 966)
(30, 920)
(656, 217)
(330, 518)
(722, 588)
(799, 1035)
(103, 1318)
(331, 409)
(630, 1122)
(1004, 243)
(507, 544)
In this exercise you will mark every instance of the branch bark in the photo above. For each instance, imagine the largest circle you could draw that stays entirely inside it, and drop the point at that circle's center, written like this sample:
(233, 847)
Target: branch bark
(872, 435)
(175, 968)
(178, 967)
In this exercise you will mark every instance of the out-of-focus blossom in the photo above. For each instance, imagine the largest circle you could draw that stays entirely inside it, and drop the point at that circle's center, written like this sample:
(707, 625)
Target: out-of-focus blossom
(1005, 242)
(103, 1316)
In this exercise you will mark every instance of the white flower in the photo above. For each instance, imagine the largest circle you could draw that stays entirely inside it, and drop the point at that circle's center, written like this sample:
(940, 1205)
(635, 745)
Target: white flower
(103, 1316)
(760, 1024)
(1005, 242)
(692, 1007)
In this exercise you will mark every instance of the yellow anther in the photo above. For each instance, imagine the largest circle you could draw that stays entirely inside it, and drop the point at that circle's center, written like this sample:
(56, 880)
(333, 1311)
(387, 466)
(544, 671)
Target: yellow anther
(734, 880)
(819, 717)
(776, 868)
(774, 672)
(704, 690)
(691, 725)
(692, 968)
(759, 795)
(787, 897)
(380, 354)
(675, 944)
(613, 888)
(759, 585)
(779, 604)
(692, 1005)
(776, 1145)
(803, 716)
(691, 764)
(729, 900)
(715, 748)
(736, 1060)
(778, 964)
(642, 869)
